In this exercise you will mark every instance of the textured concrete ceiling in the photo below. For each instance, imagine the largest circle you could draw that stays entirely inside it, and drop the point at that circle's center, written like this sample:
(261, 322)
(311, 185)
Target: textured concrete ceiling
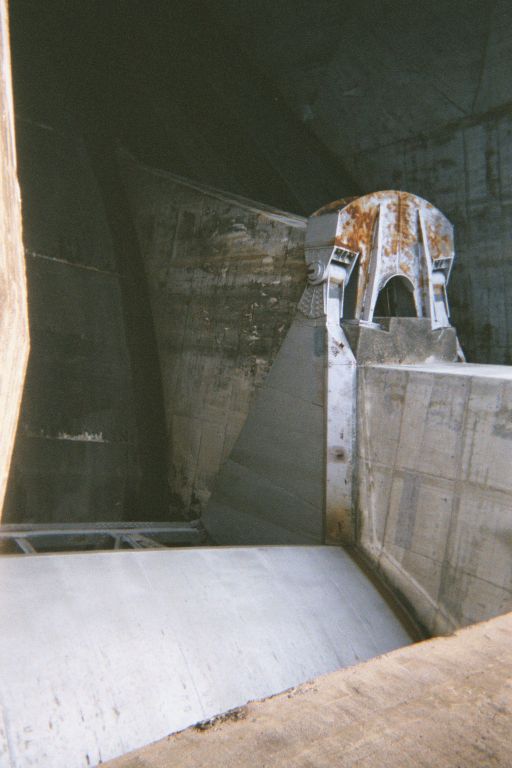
(281, 93)
(368, 74)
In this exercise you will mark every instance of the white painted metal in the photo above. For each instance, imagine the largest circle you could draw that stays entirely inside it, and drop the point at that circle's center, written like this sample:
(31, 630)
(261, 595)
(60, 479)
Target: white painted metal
(104, 652)
(340, 409)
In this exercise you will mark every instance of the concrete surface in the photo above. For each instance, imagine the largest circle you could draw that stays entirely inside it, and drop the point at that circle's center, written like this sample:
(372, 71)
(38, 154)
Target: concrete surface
(271, 488)
(445, 703)
(75, 453)
(435, 487)
(88, 448)
(14, 337)
(401, 340)
(224, 276)
(101, 653)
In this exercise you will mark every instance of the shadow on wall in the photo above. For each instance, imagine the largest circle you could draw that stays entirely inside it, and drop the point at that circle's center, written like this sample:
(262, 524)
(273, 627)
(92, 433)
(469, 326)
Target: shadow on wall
(396, 299)
(225, 275)
(87, 446)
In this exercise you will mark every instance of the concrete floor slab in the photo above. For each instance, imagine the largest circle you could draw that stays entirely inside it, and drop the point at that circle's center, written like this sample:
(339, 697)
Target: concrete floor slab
(101, 653)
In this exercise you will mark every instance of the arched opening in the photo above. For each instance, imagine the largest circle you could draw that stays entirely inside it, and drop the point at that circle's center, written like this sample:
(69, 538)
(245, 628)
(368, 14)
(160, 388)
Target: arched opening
(396, 299)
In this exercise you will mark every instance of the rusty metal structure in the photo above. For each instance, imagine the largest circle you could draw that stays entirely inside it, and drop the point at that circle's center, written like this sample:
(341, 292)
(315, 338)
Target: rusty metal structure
(371, 240)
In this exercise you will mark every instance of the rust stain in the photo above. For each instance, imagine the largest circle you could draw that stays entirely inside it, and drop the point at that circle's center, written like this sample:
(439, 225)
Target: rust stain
(402, 224)
(337, 205)
(401, 234)
(408, 221)
(340, 242)
(439, 239)
(338, 453)
(358, 232)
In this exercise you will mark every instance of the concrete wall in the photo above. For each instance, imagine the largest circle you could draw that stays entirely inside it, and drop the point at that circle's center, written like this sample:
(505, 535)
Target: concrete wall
(435, 487)
(14, 340)
(88, 448)
(225, 275)
(75, 455)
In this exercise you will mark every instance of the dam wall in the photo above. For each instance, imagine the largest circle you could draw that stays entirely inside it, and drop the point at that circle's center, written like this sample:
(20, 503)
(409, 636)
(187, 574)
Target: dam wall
(271, 488)
(434, 507)
(411, 465)
(224, 276)
(75, 455)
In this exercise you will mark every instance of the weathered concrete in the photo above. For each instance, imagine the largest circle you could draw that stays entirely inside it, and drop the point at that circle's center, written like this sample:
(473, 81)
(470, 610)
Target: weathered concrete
(435, 488)
(101, 653)
(444, 703)
(87, 447)
(14, 338)
(430, 448)
(224, 277)
(253, 101)
(401, 340)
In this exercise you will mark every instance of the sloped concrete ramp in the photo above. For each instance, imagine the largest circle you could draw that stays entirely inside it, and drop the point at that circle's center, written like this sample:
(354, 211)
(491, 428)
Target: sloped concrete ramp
(101, 653)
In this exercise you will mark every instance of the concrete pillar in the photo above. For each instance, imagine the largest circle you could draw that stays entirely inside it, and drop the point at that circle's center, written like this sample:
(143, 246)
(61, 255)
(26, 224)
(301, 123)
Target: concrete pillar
(14, 336)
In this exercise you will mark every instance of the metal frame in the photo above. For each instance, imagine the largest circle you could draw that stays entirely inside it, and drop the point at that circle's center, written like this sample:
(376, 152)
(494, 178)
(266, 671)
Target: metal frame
(38, 539)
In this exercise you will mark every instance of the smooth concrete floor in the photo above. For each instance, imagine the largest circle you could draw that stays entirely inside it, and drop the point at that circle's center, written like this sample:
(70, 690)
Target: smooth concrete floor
(104, 652)
(443, 703)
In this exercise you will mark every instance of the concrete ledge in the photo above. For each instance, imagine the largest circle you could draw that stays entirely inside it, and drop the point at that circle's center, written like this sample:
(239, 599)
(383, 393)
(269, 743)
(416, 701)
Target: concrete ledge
(454, 369)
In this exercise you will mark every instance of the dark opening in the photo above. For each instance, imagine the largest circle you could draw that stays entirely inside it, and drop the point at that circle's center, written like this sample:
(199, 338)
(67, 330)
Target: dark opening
(350, 299)
(396, 299)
